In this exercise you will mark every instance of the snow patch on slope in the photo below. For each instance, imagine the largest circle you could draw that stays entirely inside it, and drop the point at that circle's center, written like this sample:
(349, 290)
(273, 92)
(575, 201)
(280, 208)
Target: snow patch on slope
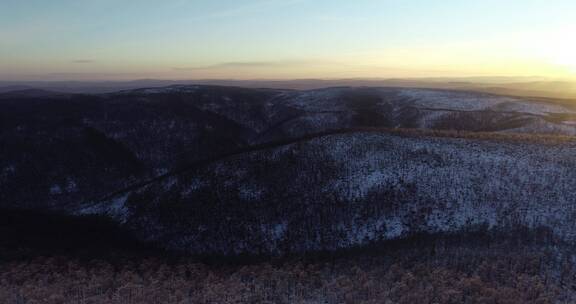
(469, 101)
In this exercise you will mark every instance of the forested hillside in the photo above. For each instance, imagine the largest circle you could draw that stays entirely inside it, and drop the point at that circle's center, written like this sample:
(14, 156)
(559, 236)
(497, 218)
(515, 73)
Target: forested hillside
(69, 148)
(338, 195)
(349, 189)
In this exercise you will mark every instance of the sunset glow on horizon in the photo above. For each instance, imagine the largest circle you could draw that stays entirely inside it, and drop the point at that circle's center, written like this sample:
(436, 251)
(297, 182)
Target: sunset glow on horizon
(285, 39)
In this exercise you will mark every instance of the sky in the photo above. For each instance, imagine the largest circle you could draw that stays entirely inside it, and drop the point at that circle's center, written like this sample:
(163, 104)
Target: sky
(285, 39)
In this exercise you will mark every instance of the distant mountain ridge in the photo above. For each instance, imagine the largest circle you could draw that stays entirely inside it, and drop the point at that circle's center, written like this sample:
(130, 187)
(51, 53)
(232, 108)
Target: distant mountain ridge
(514, 86)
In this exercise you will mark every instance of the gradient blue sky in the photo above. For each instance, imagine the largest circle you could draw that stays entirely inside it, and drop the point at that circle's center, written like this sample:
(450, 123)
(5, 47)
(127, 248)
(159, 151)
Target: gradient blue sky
(247, 39)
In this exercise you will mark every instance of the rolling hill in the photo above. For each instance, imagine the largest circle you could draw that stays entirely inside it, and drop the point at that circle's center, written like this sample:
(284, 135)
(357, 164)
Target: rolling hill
(225, 170)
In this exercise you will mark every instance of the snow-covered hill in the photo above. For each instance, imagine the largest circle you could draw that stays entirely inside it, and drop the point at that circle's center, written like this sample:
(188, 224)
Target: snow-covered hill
(430, 109)
(227, 170)
(343, 190)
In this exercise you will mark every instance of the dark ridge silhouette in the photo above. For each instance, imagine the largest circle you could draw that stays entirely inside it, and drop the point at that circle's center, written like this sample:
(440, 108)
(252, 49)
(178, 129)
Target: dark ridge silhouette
(486, 136)
(28, 233)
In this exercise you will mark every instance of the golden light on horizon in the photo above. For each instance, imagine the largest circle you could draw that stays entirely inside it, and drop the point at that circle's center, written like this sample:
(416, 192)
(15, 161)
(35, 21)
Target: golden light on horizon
(302, 39)
(557, 48)
(565, 56)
